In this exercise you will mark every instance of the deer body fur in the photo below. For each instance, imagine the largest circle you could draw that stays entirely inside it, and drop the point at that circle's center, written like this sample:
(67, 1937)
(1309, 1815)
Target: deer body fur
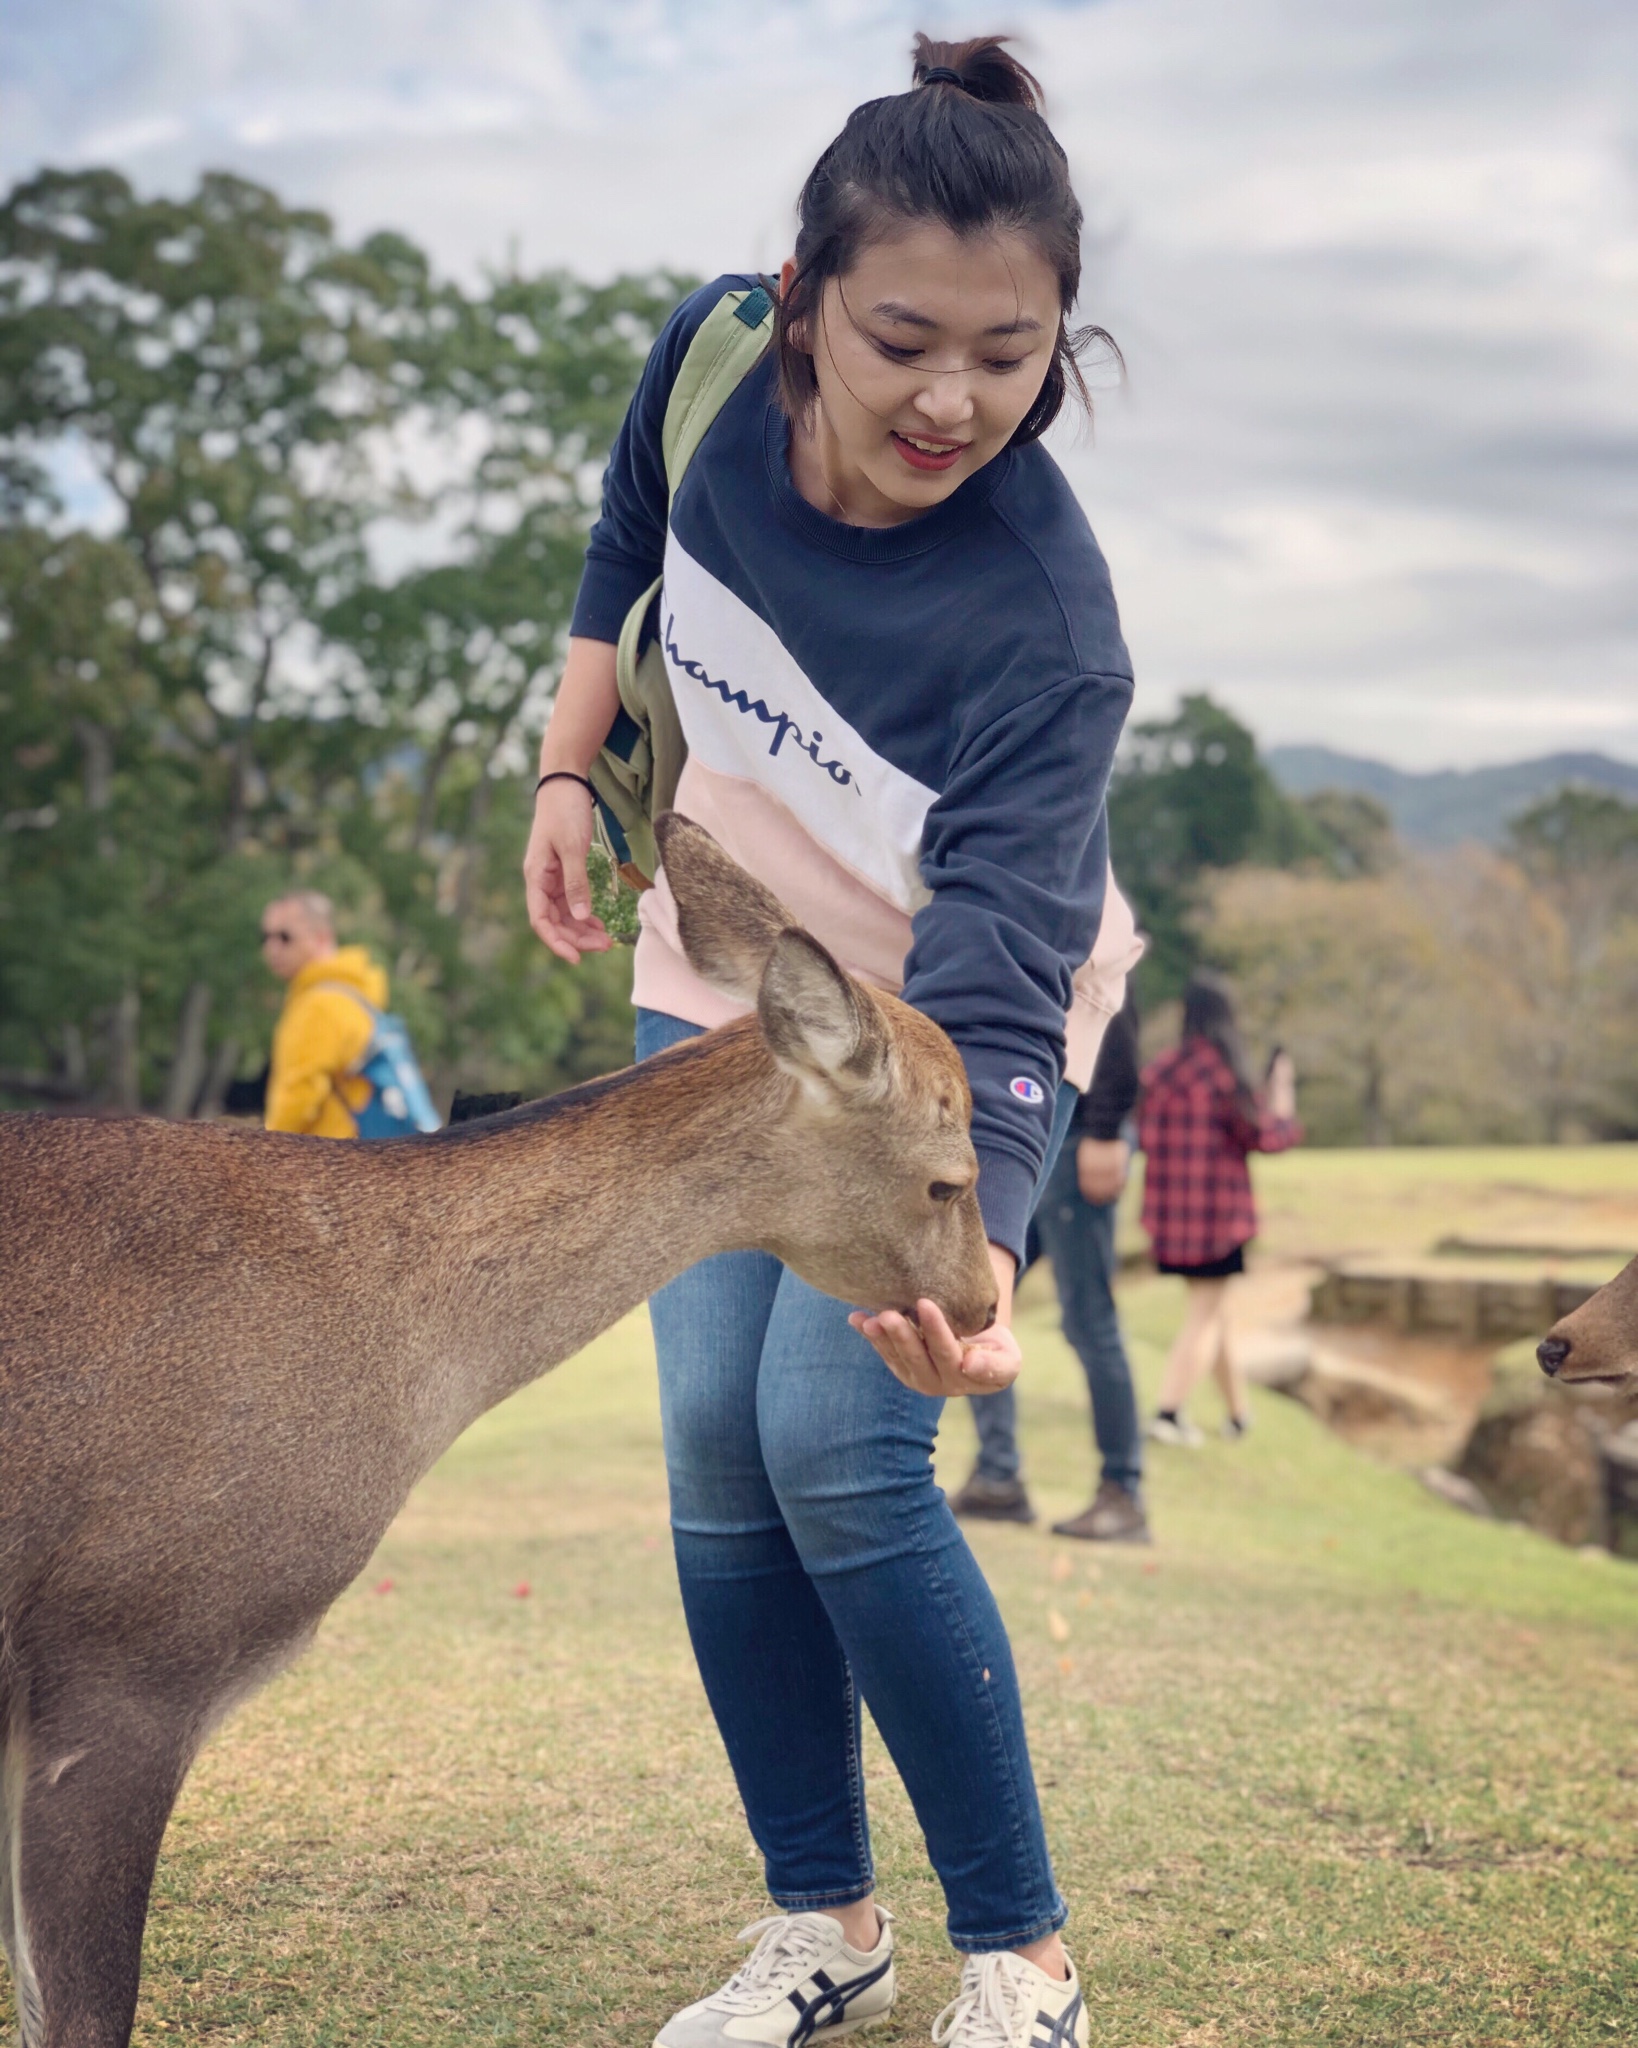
(226, 1357)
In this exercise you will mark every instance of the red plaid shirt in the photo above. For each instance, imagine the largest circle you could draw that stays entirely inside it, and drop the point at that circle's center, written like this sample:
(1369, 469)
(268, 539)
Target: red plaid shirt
(1195, 1136)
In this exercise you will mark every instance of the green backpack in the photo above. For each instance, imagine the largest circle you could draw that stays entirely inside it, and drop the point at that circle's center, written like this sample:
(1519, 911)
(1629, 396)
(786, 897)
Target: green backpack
(635, 775)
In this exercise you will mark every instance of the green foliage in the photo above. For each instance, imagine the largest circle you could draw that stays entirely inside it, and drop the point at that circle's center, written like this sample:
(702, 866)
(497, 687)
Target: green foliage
(220, 677)
(613, 898)
(1578, 832)
(1356, 832)
(1577, 852)
(1190, 796)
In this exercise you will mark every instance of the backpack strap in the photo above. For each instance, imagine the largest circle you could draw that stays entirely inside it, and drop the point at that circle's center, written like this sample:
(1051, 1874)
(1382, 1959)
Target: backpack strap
(345, 988)
(733, 337)
(637, 778)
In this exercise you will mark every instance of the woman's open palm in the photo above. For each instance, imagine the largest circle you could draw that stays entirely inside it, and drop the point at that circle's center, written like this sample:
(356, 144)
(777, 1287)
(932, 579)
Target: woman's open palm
(931, 1359)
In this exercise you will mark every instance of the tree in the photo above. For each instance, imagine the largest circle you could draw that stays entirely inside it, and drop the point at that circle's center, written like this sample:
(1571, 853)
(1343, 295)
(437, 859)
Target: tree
(1439, 1001)
(1356, 980)
(1556, 921)
(224, 685)
(1355, 833)
(1580, 832)
(1190, 797)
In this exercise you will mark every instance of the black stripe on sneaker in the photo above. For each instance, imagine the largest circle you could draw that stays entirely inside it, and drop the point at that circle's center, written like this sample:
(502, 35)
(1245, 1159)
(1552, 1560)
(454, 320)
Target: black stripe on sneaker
(831, 2004)
(1059, 2032)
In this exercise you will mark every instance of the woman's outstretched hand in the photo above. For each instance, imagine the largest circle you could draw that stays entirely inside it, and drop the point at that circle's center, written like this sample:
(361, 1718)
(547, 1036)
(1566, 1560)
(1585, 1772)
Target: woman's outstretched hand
(555, 885)
(931, 1359)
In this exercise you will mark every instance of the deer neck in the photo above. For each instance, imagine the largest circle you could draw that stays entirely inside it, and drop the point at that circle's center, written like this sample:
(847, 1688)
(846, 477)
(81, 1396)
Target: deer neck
(554, 1222)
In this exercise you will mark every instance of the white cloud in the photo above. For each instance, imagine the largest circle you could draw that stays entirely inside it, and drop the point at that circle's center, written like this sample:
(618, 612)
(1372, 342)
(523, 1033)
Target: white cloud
(1375, 270)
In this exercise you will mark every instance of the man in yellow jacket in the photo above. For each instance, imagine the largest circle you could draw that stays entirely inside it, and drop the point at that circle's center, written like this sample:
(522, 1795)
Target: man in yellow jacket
(323, 1031)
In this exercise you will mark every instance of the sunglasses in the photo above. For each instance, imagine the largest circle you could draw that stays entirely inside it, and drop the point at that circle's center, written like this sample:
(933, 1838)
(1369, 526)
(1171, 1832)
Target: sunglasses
(284, 938)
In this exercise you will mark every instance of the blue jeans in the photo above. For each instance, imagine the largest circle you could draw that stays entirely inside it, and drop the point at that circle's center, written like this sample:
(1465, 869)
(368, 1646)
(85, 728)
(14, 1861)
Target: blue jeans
(1078, 1236)
(820, 1564)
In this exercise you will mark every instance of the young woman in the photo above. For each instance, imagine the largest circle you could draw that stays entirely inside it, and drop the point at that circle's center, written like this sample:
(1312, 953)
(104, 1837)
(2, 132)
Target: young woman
(899, 672)
(1201, 1118)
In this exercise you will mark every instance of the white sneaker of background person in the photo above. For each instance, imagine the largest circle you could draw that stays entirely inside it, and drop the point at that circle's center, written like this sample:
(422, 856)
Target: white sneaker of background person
(1007, 2002)
(800, 1986)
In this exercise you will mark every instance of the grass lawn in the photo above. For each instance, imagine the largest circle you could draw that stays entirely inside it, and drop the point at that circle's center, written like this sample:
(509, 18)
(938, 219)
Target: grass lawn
(1320, 1204)
(1331, 1764)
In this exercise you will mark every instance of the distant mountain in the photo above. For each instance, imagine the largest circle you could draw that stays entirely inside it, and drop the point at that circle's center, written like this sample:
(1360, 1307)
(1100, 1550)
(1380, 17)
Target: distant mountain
(1453, 804)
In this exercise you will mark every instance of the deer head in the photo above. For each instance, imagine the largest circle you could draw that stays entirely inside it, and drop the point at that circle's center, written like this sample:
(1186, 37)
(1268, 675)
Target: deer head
(873, 1198)
(1599, 1340)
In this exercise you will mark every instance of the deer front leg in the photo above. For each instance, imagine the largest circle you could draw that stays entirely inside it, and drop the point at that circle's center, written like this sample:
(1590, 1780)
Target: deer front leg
(11, 1789)
(90, 1786)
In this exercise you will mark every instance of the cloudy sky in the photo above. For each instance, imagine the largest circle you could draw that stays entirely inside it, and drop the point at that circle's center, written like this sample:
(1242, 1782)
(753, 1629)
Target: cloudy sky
(1373, 477)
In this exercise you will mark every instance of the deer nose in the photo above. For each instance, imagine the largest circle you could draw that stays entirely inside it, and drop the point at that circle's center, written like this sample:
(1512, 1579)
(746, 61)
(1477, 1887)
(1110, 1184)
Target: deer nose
(1551, 1353)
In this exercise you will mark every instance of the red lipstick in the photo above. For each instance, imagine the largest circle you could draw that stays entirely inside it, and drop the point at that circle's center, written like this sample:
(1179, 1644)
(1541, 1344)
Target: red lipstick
(920, 458)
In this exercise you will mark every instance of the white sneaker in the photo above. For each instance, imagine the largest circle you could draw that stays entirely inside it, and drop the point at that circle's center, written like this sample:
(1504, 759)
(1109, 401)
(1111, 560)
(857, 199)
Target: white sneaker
(802, 1984)
(1182, 1432)
(1006, 2002)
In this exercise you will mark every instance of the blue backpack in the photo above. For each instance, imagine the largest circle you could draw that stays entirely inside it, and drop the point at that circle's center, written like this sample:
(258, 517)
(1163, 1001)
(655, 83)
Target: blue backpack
(399, 1099)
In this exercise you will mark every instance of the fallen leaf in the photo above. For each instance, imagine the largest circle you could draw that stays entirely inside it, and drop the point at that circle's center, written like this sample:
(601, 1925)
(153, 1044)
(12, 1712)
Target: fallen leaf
(1057, 1627)
(383, 1585)
(521, 1590)
(1065, 1666)
(1084, 1598)
(1062, 1566)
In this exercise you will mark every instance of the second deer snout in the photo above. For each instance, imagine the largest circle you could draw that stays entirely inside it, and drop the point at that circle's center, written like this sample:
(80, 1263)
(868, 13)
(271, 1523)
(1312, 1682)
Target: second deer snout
(1599, 1340)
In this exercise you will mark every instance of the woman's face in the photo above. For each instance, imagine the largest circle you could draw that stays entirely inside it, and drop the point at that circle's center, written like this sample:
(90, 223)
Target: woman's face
(928, 354)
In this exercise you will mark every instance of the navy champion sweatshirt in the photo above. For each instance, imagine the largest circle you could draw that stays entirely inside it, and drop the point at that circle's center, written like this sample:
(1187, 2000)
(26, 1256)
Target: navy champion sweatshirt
(906, 732)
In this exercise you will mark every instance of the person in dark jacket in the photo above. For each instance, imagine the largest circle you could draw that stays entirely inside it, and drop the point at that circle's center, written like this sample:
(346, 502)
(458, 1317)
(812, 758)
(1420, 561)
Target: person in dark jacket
(1202, 1119)
(1075, 1224)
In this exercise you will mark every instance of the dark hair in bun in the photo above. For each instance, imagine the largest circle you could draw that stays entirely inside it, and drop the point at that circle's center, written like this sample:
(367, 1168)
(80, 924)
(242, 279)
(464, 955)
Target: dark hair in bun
(967, 147)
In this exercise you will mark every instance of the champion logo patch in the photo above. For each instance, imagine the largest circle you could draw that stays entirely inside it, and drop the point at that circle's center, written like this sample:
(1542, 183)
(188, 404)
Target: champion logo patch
(1027, 1090)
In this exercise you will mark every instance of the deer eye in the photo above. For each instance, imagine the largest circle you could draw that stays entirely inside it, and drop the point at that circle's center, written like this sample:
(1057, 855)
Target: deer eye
(944, 1190)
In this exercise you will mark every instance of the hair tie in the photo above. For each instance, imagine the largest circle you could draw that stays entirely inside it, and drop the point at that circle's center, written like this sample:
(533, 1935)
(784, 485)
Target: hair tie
(941, 74)
(567, 775)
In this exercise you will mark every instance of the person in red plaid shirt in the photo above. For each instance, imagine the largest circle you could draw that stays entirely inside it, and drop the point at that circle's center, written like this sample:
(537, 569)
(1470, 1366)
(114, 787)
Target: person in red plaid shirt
(1201, 1118)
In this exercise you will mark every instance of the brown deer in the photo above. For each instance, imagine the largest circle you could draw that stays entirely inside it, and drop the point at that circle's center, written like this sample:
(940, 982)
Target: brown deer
(1598, 1340)
(226, 1357)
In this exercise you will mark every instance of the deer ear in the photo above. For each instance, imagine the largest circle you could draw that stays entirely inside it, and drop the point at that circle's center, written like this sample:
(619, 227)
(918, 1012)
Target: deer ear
(727, 922)
(819, 1024)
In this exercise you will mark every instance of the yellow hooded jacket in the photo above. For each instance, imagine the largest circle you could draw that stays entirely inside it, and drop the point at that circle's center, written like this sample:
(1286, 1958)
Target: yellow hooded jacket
(322, 1032)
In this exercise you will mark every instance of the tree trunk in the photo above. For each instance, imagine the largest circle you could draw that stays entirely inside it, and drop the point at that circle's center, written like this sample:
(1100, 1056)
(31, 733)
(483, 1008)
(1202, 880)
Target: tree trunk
(477, 816)
(1375, 1121)
(98, 764)
(426, 809)
(75, 1077)
(471, 853)
(214, 1092)
(124, 1068)
(244, 758)
(187, 1075)
(45, 1087)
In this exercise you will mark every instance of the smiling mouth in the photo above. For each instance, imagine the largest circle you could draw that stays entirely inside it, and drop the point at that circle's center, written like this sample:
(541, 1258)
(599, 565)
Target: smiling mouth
(922, 453)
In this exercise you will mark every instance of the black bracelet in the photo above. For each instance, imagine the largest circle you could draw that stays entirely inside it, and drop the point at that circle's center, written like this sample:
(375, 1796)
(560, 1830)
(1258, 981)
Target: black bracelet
(566, 775)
